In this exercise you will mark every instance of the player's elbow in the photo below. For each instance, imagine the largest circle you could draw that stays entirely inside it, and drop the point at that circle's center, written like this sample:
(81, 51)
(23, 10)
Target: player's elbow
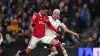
(33, 25)
(28, 51)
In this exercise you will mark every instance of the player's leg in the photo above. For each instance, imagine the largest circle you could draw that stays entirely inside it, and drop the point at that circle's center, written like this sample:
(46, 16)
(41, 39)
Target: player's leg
(64, 50)
(58, 46)
(32, 45)
(59, 38)
(53, 51)
(50, 40)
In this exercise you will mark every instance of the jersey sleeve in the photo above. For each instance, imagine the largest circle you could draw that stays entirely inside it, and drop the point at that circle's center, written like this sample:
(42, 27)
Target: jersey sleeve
(33, 19)
(62, 24)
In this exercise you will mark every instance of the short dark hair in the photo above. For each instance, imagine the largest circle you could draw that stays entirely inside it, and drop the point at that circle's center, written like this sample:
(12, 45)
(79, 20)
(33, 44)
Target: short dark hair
(43, 7)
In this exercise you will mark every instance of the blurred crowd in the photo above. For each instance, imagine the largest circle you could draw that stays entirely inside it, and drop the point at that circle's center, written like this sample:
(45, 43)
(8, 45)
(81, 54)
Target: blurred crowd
(15, 15)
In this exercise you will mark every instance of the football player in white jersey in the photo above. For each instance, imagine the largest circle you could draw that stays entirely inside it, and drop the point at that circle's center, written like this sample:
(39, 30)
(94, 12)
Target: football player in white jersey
(56, 23)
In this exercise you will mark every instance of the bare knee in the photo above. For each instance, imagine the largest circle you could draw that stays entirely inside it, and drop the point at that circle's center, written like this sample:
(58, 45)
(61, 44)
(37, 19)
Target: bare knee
(62, 47)
(28, 51)
(53, 49)
(54, 42)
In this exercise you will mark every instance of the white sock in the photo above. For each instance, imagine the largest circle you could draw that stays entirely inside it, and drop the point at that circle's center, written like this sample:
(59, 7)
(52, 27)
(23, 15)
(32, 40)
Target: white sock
(65, 53)
(53, 53)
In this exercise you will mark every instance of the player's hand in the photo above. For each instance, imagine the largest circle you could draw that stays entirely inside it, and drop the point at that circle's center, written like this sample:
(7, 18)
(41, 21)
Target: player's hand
(59, 32)
(33, 25)
(76, 35)
(47, 21)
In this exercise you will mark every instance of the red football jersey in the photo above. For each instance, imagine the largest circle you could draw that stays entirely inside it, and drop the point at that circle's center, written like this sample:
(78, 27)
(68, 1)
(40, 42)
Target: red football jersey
(40, 25)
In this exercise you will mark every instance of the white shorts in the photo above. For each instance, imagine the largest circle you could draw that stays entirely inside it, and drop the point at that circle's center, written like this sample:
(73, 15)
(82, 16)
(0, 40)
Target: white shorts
(33, 42)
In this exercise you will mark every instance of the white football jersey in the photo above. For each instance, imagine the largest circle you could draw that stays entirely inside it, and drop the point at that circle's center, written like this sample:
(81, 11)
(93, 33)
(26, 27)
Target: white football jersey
(56, 23)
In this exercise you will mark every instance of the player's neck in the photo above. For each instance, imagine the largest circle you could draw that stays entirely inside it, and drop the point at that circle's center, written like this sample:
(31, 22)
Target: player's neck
(40, 13)
(53, 18)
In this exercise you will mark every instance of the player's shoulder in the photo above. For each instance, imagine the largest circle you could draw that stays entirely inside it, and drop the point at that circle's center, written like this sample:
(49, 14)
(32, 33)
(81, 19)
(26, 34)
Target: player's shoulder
(49, 16)
(36, 14)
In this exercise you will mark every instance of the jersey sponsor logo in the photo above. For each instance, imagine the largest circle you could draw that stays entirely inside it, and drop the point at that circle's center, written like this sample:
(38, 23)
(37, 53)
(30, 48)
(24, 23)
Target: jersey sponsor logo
(40, 22)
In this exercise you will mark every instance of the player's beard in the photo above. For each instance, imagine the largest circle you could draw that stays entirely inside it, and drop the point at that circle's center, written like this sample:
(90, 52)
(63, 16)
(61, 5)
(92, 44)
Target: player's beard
(45, 14)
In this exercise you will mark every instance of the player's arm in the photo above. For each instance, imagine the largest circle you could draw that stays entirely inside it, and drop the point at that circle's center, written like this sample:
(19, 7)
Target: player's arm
(30, 29)
(32, 21)
(67, 30)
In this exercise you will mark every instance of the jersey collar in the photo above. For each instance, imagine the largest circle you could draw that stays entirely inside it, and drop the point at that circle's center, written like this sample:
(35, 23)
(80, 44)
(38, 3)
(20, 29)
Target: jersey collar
(40, 14)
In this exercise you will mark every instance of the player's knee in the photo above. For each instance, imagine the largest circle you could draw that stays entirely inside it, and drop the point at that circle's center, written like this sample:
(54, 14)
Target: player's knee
(56, 52)
(28, 51)
(64, 51)
(59, 49)
(58, 44)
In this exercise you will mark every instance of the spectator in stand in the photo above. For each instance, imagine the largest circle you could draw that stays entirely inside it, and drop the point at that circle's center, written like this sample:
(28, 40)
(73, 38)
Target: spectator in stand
(8, 34)
(77, 23)
(25, 18)
(87, 12)
(90, 43)
(27, 37)
(19, 13)
(14, 25)
(9, 13)
(73, 11)
(93, 8)
(80, 3)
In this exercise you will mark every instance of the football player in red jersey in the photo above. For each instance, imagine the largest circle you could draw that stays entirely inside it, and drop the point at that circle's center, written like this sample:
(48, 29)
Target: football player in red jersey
(39, 22)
